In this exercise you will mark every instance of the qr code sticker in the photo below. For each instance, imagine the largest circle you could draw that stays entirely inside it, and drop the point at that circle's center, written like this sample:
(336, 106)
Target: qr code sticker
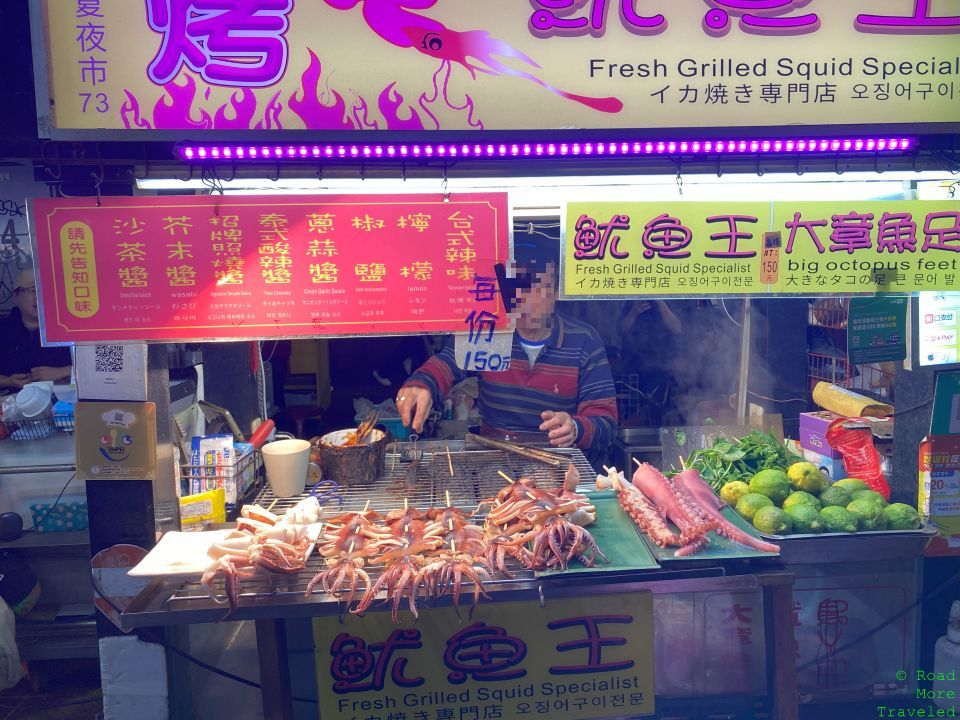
(108, 359)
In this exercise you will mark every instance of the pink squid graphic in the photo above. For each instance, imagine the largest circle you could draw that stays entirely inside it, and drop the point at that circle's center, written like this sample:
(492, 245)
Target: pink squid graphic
(475, 50)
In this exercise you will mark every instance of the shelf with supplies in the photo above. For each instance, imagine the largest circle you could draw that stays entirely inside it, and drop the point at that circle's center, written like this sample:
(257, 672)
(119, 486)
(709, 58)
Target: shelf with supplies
(828, 359)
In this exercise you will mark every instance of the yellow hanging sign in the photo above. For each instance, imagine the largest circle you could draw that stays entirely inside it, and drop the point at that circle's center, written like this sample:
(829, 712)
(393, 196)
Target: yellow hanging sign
(614, 249)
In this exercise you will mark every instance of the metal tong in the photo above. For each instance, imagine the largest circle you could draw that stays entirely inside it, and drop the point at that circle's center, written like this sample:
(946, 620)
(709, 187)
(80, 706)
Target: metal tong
(527, 451)
(366, 426)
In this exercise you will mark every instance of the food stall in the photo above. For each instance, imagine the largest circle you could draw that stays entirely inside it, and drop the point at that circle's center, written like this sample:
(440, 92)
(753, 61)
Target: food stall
(294, 275)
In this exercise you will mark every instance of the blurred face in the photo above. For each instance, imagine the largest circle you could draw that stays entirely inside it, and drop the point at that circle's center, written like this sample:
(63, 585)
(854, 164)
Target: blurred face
(535, 304)
(26, 297)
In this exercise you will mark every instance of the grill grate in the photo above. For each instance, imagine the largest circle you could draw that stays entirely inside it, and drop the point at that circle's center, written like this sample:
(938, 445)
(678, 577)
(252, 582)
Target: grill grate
(475, 478)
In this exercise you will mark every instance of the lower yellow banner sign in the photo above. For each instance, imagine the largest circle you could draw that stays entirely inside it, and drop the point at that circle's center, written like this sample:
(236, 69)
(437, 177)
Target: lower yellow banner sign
(584, 657)
(614, 249)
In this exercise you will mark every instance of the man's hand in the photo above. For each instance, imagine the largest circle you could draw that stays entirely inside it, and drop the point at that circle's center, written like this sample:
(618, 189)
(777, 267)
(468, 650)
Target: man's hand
(560, 428)
(17, 380)
(45, 372)
(414, 404)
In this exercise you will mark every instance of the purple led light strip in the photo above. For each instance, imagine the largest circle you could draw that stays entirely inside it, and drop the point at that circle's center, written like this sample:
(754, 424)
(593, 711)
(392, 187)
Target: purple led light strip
(500, 150)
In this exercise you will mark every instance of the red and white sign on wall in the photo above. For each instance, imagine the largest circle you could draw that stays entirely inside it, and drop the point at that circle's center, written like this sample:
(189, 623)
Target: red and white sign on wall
(213, 267)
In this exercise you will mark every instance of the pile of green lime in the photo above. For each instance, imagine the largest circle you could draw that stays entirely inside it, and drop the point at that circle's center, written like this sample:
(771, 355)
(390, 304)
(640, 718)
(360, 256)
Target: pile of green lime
(801, 501)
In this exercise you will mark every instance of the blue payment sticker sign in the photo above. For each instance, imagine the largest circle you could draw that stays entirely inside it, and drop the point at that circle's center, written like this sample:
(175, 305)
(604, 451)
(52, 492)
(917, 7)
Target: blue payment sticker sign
(584, 657)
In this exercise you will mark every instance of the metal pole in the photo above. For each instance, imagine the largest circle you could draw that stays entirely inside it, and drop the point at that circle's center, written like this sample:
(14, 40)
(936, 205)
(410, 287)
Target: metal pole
(744, 384)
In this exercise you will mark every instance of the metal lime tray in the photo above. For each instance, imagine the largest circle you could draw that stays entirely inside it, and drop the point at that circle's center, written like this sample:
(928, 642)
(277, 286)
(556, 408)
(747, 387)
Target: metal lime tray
(810, 548)
(617, 536)
(720, 548)
(925, 529)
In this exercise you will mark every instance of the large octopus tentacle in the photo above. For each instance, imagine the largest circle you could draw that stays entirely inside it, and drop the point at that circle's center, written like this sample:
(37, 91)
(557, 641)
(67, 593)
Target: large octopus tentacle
(666, 497)
(711, 505)
(647, 517)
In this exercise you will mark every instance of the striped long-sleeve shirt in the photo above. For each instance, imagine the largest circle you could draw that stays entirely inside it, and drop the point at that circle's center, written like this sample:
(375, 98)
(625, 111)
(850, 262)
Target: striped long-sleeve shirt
(571, 375)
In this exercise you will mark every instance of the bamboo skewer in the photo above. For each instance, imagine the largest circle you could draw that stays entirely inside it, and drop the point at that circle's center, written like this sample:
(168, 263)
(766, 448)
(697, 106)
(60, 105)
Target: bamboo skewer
(447, 492)
(366, 505)
(275, 501)
(637, 462)
(506, 477)
(449, 459)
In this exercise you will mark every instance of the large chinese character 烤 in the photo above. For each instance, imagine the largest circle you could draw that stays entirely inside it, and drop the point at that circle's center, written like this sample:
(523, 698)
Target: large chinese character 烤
(354, 662)
(229, 42)
(667, 237)
(592, 238)
(593, 643)
(760, 17)
(484, 652)
(919, 21)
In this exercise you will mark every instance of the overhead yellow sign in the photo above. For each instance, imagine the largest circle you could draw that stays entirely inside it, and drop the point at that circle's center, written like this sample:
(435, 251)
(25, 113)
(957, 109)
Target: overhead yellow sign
(626, 249)
(586, 657)
(448, 65)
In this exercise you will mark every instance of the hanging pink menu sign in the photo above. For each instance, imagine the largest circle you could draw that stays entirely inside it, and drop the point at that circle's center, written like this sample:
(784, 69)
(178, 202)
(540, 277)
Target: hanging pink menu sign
(172, 269)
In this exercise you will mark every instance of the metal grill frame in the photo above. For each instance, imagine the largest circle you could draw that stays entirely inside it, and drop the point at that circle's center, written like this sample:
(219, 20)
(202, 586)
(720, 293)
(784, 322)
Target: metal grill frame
(388, 493)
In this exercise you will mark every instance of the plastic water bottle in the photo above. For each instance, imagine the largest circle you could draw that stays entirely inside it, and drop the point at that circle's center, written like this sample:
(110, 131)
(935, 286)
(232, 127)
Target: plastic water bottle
(946, 661)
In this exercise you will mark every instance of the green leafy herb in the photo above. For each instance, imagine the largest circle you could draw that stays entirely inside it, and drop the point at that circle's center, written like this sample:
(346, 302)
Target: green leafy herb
(731, 459)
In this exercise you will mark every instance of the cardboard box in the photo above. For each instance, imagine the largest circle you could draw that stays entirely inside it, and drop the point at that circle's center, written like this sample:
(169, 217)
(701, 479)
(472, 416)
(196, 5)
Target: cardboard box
(813, 431)
(939, 491)
(832, 467)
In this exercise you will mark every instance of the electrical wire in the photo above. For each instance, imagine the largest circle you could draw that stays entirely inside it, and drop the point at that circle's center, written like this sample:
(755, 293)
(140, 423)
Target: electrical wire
(727, 312)
(147, 635)
(785, 400)
(898, 413)
(38, 523)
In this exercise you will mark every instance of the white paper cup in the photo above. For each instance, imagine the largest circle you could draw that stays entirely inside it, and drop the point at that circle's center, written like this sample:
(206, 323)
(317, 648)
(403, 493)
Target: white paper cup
(287, 462)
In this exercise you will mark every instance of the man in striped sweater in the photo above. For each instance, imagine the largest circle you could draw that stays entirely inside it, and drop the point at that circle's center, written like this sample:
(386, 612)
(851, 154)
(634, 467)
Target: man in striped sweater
(558, 388)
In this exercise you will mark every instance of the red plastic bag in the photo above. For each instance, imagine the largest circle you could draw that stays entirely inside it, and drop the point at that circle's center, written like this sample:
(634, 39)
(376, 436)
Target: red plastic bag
(860, 457)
